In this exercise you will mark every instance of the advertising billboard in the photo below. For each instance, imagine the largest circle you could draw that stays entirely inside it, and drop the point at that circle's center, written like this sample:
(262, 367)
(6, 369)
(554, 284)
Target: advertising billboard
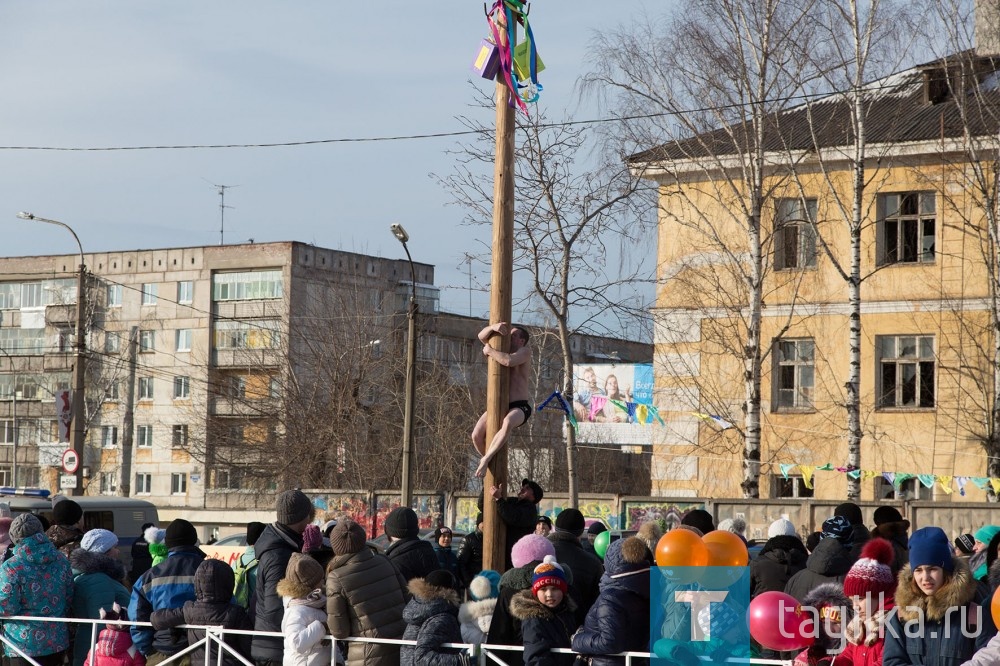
(611, 403)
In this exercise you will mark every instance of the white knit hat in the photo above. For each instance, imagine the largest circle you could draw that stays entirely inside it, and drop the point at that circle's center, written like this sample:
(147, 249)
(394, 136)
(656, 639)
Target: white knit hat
(781, 527)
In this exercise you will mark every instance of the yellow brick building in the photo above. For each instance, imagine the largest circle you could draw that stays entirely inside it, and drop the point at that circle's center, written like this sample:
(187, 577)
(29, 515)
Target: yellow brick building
(926, 350)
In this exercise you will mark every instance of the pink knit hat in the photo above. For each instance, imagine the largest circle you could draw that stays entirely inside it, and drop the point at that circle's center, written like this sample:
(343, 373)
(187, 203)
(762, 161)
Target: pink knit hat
(531, 548)
(872, 573)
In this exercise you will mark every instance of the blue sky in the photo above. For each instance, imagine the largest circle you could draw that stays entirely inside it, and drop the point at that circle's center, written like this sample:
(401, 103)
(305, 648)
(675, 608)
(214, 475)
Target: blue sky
(126, 73)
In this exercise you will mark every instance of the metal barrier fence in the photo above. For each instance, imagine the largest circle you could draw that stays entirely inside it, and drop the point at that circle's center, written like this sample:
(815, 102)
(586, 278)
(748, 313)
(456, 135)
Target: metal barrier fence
(482, 655)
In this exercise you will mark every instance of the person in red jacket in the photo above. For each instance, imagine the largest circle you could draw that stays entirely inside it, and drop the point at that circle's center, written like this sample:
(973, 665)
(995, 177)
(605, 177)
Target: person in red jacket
(871, 587)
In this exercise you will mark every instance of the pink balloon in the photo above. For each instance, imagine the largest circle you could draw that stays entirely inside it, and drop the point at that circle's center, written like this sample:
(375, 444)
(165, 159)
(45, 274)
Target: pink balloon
(778, 622)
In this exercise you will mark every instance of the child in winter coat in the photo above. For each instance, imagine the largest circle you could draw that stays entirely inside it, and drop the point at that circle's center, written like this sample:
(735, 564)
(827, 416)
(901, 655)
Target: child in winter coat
(547, 615)
(475, 614)
(831, 607)
(114, 643)
(939, 592)
(213, 606)
(432, 620)
(304, 621)
(871, 587)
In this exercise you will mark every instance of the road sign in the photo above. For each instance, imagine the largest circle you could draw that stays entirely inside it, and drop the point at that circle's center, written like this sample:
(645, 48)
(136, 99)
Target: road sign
(67, 482)
(70, 462)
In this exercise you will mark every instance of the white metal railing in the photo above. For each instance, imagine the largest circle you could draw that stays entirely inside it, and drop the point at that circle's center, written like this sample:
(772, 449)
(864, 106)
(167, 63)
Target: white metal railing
(483, 654)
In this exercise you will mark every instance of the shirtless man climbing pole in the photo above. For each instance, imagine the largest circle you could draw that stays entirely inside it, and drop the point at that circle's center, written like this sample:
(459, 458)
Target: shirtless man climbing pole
(519, 408)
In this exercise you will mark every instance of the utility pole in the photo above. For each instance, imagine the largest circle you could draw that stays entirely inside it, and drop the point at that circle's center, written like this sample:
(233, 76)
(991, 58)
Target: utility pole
(79, 376)
(128, 425)
(498, 377)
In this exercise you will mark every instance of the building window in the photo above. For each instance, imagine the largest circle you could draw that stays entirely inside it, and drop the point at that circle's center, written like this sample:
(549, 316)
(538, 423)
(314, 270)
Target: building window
(182, 387)
(178, 484)
(236, 387)
(147, 341)
(179, 436)
(794, 374)
(7, 432)
(260, 334)
(185, 291)
(795, 234)
(109, 483)
(906, 228)
(143, 484)
(114, 293)
(145, 388)
(144, 436)
(794, 486)
(247, 285)
(149, 294)
(109, 436)
(274, 388)
(184, 339)
(113, 393)
(905, 370)
(31, 295)
(112, 342)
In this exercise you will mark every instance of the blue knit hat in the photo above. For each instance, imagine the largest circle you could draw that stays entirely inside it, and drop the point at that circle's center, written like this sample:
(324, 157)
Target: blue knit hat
(486, 585)
(929, 546)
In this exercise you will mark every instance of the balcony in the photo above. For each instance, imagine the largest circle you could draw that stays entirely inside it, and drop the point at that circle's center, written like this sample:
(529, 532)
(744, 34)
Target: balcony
(247, 358)
(259, 408)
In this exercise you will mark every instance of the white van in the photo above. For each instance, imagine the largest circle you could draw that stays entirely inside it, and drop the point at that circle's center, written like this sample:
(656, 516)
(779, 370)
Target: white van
(124, 516)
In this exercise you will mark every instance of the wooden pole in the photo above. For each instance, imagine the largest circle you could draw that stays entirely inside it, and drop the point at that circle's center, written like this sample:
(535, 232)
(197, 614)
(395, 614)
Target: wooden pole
(498, 377)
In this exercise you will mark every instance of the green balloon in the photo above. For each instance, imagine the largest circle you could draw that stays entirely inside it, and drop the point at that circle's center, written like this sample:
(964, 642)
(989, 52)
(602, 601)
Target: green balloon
(601, 543)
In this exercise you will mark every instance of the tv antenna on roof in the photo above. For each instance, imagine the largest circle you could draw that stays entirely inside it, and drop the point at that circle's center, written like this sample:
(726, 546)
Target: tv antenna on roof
(222, 207)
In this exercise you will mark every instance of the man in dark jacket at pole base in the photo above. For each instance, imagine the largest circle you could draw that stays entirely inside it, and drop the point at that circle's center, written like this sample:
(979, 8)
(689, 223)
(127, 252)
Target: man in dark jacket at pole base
(519, 513)
(274, 548)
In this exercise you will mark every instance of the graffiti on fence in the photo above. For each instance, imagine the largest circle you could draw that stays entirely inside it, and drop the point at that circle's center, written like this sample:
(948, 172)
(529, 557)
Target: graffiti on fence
(668, 514)
(466, 511)
(603, 510)
(429, 510)
(330, 507)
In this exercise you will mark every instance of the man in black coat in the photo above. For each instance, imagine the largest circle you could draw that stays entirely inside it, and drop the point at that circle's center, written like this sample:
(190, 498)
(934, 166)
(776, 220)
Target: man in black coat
(519, 513)
(141, 559)
(470, 555)
(587, 567)
(413, 557)
(274, 548)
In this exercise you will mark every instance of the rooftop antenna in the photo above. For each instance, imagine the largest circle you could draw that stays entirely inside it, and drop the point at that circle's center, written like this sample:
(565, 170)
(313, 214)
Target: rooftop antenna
(222, 208)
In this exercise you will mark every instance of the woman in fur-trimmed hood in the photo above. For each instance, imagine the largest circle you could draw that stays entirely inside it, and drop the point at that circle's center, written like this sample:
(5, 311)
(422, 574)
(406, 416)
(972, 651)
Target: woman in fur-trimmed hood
(431, 620)
(937, 603)
(98, 582)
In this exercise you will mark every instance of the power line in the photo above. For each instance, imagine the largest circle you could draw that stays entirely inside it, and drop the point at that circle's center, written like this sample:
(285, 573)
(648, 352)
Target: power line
(803, 97)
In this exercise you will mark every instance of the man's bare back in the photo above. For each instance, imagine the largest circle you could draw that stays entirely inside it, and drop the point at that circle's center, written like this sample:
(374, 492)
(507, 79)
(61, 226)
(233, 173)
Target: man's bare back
(519, 362)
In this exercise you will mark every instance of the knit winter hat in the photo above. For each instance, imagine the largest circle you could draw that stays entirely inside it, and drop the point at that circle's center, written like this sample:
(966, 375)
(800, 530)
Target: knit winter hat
(24, 526)
(401, 523)
(570, 520)
(851, 511)
(986, 533)
(486, 585)
(154, 534)
(735, 525)
(781, 527)
(596, 528)
(929, 546)
(839, 528)
(66, 512)
(293, 506)
(347, 537)
(98, 541)
(536, 489)
(254, 530)
(699, 518)
(966, 543)
(887, 514)
(548, 573)
(180, 533)
(440, 578)
(872, 573)
(531, 548)
(444, 529)
(304, 570)
(544, 520)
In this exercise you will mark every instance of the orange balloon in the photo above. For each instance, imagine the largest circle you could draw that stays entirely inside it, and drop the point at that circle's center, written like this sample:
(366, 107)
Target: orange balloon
(681, 548)
(995, 606)
(725, 549)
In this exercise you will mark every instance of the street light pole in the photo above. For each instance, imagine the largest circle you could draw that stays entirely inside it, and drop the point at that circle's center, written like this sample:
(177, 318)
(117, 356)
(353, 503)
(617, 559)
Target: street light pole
(406, 489)
(13, 394)
(79, 364)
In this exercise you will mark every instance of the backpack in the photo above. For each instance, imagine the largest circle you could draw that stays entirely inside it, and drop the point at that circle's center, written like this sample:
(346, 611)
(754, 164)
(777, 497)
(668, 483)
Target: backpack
(241, 592)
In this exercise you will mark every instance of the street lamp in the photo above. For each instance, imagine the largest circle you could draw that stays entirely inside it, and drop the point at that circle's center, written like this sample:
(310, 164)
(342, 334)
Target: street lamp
(411, 374)
(79, 364)
(13, 417)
